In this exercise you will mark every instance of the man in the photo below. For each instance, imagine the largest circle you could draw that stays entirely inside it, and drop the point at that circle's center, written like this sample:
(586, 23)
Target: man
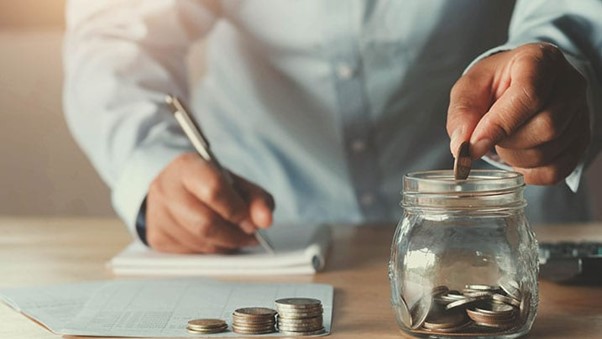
(326, 104)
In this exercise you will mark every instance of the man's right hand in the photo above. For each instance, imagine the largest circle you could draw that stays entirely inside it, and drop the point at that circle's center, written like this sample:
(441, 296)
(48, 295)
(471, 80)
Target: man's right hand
(192, 209)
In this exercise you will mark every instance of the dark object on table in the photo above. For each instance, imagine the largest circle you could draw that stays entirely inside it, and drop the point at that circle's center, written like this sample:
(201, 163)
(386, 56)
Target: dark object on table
(571, 262)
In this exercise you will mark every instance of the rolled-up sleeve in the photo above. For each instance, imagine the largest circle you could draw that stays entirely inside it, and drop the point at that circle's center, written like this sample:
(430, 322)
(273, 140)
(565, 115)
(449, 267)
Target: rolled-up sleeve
(120, 59)
(576, 28)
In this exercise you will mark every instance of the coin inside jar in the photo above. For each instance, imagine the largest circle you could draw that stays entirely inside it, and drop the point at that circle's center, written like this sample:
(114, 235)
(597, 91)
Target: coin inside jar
(420, 311)
(439, 320)
(406, 318)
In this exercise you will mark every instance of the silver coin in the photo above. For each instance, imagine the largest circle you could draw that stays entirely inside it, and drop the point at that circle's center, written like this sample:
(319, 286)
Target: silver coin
(253, 328)
(255, 312)
(506, 299)
(482, 287)
(300, 311)
(301, 321)
(525, 306)
(293, 333)
(420, 311)
(510, 286)
(404, 312)
(244, 331)
(451, 297)
(476, 293)
(495, 325)
(207, 330)
(252, 322)
(450, 329)
(191, 331)
(300, 316)
(445, 319)
(495, 309)
(490, 318)
(300, 328)
(200, 328)
(298, 302)
(206, 325)
(467, 302)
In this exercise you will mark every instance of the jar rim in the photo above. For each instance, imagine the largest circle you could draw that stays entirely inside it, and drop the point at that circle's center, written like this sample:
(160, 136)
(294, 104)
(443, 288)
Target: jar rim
(479, 181)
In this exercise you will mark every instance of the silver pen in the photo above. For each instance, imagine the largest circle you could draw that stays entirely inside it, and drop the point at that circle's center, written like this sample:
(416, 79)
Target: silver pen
(201, 144)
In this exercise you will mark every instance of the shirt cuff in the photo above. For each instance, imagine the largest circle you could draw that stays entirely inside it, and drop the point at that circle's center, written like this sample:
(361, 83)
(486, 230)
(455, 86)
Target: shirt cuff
(572, 180)
(149, 159)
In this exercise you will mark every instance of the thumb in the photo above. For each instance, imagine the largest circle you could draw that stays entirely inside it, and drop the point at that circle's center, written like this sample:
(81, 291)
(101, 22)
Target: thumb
(470, 99)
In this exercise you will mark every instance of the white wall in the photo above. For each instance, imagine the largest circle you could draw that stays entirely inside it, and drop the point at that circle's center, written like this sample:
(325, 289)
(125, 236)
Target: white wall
(42, 171)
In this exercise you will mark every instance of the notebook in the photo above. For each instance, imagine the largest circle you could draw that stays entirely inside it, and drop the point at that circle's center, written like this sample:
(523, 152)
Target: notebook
(298, 250)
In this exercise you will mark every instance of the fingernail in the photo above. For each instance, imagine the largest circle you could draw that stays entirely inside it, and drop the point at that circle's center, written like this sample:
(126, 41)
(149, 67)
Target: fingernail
(455, 140)
(247, 226)
(480, 148)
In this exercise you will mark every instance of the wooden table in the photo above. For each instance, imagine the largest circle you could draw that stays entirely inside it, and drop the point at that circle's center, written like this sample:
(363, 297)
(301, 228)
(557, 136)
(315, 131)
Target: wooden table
(45, 251)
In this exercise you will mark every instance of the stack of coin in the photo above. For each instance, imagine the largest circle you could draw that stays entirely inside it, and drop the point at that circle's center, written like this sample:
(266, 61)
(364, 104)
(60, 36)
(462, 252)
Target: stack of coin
(206, 326)
(300, 316)
(477, 308)
(254, 320)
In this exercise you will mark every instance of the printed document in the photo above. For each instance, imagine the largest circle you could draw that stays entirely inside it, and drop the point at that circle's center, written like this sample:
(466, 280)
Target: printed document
(152, 308)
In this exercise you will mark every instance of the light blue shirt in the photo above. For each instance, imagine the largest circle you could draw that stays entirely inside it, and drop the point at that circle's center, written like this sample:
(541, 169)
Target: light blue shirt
(326, 104)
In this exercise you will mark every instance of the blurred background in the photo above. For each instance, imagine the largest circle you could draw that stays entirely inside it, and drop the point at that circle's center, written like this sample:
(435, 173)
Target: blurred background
(42, 170)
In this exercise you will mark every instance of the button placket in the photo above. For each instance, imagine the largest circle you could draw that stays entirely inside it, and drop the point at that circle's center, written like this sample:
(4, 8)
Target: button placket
(353, 109)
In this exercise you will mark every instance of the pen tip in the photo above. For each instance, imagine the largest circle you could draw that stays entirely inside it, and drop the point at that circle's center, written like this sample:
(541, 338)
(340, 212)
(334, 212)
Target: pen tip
(169, 99)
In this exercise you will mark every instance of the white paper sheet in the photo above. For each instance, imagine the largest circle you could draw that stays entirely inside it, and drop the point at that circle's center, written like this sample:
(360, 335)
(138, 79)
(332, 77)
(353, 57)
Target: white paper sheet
(153, 308)
(299, 250)
(51, 306)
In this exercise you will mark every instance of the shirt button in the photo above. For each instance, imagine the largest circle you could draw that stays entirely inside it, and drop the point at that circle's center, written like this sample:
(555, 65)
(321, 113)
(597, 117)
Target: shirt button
(367, 199)
(358, 145)
(345, 71)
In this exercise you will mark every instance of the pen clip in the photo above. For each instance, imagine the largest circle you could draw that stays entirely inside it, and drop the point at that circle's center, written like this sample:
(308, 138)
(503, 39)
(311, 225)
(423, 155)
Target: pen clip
(190, 127)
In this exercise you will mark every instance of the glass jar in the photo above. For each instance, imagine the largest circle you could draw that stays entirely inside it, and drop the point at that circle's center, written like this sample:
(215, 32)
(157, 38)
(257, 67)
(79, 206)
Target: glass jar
(464, 259)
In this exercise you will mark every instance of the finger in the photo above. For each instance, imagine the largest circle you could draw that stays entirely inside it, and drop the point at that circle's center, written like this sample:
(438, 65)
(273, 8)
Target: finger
(261, 203)
(204, 226)
(558, 169)
(551, 122)
(527, 94)
(160, 240)
(177, 245)
(165, 234)
(191, 241)
(470, 98)
(209, 185)
(545, 153)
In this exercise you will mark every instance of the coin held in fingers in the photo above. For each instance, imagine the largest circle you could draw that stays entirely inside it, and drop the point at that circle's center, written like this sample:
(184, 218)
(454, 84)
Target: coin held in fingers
(463, 162)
